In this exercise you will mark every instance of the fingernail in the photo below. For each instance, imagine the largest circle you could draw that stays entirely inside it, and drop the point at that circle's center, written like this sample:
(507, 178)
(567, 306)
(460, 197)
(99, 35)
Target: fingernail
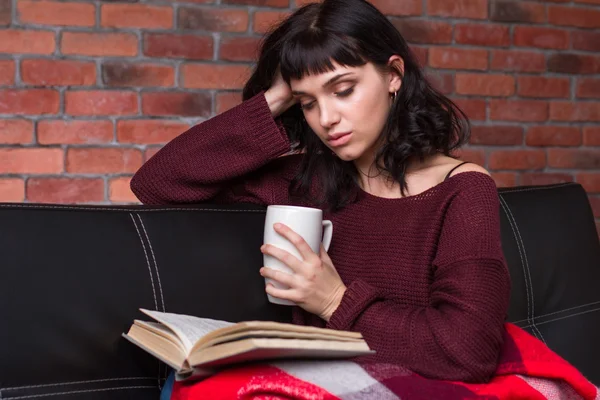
(278, 226)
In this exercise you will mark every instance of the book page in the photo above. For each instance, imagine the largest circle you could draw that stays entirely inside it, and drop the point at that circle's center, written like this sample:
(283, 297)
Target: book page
(265, 334)
(251, 326)
(161, 330)
(266, 349)
(188, 329)
(167, 352)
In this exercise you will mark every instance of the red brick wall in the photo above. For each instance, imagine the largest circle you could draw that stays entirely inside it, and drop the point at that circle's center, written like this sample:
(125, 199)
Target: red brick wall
(91, 89)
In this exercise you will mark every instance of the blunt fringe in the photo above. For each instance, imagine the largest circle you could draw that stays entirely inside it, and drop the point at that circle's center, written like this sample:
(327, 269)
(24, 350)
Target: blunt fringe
(421, 122)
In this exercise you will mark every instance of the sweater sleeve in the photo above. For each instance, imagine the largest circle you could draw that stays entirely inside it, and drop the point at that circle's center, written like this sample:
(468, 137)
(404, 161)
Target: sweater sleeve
(458, 336)
(200, 163)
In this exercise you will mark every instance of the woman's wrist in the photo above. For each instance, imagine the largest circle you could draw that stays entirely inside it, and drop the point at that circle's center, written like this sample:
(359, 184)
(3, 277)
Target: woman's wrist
(335, 303)
(277, 103)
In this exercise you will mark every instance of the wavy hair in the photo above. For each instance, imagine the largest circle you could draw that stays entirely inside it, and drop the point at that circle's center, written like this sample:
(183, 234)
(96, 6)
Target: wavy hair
(421, 121)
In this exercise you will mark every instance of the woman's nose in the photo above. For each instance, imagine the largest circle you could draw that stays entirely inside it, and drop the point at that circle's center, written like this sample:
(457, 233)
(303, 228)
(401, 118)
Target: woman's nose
(329, 116)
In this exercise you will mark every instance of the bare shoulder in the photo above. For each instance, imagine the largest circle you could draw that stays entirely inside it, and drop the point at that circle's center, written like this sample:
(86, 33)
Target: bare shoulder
(468, 167)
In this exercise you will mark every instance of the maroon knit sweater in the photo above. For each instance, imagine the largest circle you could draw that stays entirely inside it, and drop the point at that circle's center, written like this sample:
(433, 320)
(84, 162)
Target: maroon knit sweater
(427, 282)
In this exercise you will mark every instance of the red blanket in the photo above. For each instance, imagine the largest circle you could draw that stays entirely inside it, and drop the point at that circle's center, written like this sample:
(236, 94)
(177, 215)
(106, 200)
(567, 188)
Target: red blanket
(527, 370)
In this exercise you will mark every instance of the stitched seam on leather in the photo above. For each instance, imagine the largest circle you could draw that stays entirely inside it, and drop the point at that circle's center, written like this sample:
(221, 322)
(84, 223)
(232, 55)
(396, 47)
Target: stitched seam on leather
(504, 207)
(524, 264)
(558, 312)
(147, 261)
(24, 206)
(159, 372)
(558, 185)
(162, 299)
(528, 271)
(73, 383)
(565, 317)
(78, 391)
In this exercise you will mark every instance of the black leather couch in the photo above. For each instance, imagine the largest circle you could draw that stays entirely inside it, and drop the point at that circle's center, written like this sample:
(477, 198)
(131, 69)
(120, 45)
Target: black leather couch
(73, 277)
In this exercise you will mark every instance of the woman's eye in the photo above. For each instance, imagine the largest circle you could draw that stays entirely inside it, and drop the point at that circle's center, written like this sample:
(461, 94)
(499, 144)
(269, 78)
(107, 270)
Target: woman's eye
(346, 92)
(343, 93)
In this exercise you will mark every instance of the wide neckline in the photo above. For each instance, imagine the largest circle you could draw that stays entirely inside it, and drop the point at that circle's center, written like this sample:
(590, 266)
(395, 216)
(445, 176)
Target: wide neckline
(418, 195)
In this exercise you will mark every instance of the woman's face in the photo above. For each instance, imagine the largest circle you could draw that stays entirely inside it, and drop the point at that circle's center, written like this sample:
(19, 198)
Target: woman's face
(347, 108)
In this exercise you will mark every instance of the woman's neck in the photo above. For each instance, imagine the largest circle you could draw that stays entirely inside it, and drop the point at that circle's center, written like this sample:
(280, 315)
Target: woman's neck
(379, 182)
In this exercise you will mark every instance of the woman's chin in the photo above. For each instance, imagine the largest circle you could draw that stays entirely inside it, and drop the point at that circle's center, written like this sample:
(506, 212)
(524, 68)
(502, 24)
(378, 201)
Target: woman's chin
(349, 152)
(345, 155)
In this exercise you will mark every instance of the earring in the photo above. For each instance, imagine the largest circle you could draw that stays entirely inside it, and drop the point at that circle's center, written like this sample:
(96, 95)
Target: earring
(394, 95)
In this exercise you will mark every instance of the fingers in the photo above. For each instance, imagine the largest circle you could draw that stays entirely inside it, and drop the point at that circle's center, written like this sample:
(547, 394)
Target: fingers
(283, 278)
(288, 259)
(279, 276)
(322, 251)
(284, 294)
(297, 240)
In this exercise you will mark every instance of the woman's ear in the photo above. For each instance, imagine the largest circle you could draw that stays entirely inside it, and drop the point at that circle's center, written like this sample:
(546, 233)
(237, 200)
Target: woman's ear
(396, 64)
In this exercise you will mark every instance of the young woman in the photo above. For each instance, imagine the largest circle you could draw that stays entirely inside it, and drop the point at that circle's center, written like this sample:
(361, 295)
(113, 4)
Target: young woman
(338, 115)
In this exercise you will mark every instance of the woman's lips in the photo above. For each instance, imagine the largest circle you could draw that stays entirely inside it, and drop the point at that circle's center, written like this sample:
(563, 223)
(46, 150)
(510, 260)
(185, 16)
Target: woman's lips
(340, 140)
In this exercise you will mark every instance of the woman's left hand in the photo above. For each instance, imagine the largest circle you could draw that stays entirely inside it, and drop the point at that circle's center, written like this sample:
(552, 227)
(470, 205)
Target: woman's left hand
(315, 285)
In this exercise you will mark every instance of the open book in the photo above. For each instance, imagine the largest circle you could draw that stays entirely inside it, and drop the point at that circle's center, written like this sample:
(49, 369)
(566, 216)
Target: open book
(189, 343)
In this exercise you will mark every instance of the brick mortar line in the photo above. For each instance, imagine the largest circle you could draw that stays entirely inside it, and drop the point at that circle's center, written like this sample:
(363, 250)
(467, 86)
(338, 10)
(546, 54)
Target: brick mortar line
(94, 118)
(486, 21)
(13, 13)
(243, 35)
(106, 187)
(65, 147)
(458, 46)
(251, 12)
(98, 14)
(175, 8)
(18, 78)
(513, 48)
(251, 34)
(167, 4)
(219, 6)
(71, 175)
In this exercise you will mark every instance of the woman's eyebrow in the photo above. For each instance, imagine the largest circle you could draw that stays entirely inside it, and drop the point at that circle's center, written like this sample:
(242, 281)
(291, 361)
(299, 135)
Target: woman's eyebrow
(329, 82)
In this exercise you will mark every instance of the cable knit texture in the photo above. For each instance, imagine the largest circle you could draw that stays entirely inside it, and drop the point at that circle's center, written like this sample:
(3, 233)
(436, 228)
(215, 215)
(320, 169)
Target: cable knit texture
(428, 285)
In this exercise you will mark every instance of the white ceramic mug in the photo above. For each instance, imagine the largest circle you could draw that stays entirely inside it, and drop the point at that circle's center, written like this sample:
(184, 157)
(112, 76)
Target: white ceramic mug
(306, 222)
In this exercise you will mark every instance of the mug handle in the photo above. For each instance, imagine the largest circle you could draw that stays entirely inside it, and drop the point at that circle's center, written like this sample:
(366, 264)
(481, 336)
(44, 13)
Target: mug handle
(327, 233)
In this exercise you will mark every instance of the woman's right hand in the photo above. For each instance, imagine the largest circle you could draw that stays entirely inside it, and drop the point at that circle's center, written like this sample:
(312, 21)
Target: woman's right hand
(279, 95)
